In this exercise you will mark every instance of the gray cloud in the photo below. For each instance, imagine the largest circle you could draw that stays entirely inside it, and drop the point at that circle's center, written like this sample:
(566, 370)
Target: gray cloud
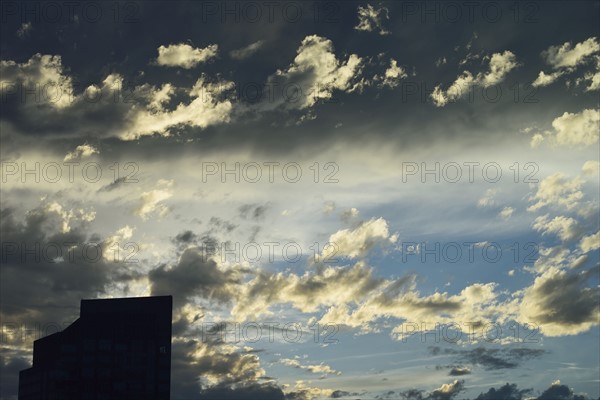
(492, 358)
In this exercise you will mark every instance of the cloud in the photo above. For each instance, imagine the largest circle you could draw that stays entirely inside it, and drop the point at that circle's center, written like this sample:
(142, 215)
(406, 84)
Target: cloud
(590, 243)
(458, 371)
(544, 79)
(492, 358)
(67, 266)
(509, 391)
(111, 108)
(82, 151)
(500, 64)
(458, 89)
(488, 199)
(357, 242)
(566, 58)
(371, 19)
(447, 391)
(185, 56)
(506, 392)
(565, 228)
(151, 201)
(506, 212)
(557, 190)
(593, 77)
(245, 52)
(561, 303)
(556, 391)
(393, 74)
(575, 129)
(253, 211)
(350, 214)
(315, 369)
(569, 56)
(325, 286)
(591, 168)
(196, 274)
(208, 106)
(314, 75)
(399, 299)
(24, 30)
(11, 363)
(245, 392)
(41, 72)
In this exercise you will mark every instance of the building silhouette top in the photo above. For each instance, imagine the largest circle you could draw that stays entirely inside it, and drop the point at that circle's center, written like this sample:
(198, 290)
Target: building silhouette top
(119, 348)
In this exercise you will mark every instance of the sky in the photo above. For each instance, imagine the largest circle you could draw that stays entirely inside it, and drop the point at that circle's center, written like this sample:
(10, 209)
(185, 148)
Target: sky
(353, 199)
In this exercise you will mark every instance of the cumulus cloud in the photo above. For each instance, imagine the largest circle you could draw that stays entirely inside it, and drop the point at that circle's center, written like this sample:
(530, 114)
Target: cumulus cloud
(315, 73)
(557, 190)
(68, 267)
(393, 74)
(458, 89)
(357, 242)
(152, 201)
(506, 392)
(506, 212)
(593, 77)
(564, 59)
(322, 369)
(400, 299)
(568, 56)
(500, 64)
(565, 228)
(371, 19)
(82, 151)
(309, 292)
(591, 168)
(561, 303)
(447, 391)
(208, 106)
(43, 73)
(577, 129)
(185, 56)
(111, 107)
(544, 79)
(590, 243)
(556, 391)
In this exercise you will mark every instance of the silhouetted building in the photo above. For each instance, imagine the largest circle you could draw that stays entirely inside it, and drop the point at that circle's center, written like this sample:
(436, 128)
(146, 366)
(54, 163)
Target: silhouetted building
(118, 349)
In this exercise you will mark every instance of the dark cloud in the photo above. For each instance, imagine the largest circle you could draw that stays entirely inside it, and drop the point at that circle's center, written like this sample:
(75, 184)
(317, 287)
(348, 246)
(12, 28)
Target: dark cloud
(556, 391)
(563, 301)
(186, 237)
(195, 274)
(338, 394)
(253, 211)
(491, 358)
(506, 392)
(249, 392)
(447, 391)
(40, 294)
(50, 288)
(11, 362)
(459, 371)
(560, 392)
(117, 183)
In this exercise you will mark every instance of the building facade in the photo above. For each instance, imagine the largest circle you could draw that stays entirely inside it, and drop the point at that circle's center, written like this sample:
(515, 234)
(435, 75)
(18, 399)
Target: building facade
(118, 349)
